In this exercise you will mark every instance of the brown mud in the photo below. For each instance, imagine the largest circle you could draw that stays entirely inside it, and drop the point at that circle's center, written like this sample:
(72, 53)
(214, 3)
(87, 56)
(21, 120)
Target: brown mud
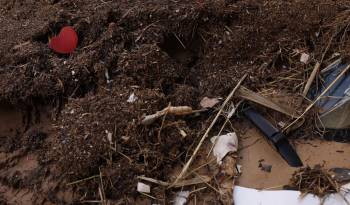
(57, 111)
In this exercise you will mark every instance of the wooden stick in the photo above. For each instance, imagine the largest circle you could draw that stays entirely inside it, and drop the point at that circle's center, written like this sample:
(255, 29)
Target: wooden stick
(197, 180)
(187, 165)
(311, 78)
(155, 181)
(318, 98)
(83, 180)
(317, 67)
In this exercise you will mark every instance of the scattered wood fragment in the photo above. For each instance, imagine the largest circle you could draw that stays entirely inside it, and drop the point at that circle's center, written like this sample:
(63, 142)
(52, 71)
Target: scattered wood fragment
(154, 181)
(187, 165)
(170, 110)
(101, 191)
(83, 180)
(311, 78)
(18, 46)
(317, 67)
(196, 180)
(247, 94)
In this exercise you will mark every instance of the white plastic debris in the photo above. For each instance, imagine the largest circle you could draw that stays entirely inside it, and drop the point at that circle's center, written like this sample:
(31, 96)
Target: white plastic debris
(109, 136)
(304, 58)
(248, 196)
(224, 144)
(281, 124)
(209, 102)
(143, 188)
(239, 168)
(317, 34)
(183, 133)
(108, 77)
(181, 197)
(232, 111)
(132, 98)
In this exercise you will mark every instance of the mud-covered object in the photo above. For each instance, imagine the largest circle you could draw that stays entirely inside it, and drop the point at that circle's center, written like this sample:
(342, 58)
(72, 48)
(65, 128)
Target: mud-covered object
(335, 105)
(338, 135)
(341, 174)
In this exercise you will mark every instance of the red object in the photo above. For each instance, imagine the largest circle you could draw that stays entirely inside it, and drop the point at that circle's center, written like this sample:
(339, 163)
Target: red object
(65, 42)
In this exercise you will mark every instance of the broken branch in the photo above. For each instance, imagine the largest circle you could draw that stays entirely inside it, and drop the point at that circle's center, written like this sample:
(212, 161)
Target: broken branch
(311, 78)
(170, 110)
(247, 94)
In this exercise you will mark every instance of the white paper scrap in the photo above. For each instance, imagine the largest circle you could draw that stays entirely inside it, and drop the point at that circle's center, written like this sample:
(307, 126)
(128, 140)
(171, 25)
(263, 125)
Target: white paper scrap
(304, 58)
(132, 98)
(224, 144)
(144, 188)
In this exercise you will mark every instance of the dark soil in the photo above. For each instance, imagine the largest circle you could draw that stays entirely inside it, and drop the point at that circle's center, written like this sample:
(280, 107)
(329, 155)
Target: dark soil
(162, 51)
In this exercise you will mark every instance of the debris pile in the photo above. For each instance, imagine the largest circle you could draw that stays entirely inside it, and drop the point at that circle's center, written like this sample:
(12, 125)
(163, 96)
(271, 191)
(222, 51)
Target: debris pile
(316, 180)
(153, 102)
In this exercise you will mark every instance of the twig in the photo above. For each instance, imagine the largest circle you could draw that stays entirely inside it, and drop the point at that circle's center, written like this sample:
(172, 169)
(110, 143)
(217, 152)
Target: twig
(182, 44)
(143, 31)
(330, 66)
(148, 195)
(328, 45)
(161, 126)
(213, 145)
(196, 169)
(223, 126)
(317, 68)
(274, 187)
(124, 155)
(102, 190)
(91, 201)
(311, 78)
(319, 97)
(187, 165)
(82, 180)
(155, 181)
(128, 158)
(198, 180)
(197, 190)
(171, 110)
(206, 182)
(128, 11)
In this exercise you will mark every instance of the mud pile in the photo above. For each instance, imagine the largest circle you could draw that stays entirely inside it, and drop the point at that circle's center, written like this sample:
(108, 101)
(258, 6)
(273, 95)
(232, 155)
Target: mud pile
(74, 122)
